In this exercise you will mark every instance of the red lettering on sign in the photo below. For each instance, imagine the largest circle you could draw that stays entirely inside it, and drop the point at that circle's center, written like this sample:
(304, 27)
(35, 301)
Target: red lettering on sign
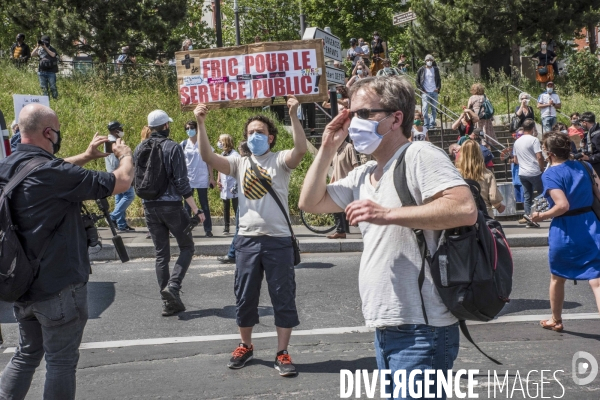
(215, 91)
(280, 87)
(249, 63)
(205, 68)
(202, 94)
(305, 59)
(297, 65)
(230, 95)
(282, 59)
(184, 93)
(260, 63)
(306, 85)
(271, 62)
(232, 64)
(242, 90)
(256, 88)
(194, 94)
(268, 87)
(215, 69)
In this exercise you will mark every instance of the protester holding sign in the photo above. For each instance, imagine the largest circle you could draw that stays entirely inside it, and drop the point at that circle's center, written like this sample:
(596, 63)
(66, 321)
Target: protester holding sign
(264, 244)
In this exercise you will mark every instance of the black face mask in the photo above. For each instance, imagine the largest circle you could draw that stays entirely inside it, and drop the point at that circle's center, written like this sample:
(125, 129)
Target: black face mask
(56, 146)
(164, 132)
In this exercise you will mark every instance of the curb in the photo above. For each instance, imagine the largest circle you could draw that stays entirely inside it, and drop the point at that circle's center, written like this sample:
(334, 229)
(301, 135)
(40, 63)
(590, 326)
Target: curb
(135, 250)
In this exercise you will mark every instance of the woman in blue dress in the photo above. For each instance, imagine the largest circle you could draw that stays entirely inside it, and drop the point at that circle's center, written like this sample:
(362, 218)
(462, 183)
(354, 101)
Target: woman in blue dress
(574, 238)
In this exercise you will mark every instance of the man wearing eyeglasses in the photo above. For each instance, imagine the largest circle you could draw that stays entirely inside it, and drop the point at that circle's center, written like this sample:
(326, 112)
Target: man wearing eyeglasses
(264, 242)
(46, 208)
(379, 122)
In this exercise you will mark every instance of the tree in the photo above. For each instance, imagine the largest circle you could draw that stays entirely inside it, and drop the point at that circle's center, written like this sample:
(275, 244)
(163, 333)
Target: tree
(101, 27)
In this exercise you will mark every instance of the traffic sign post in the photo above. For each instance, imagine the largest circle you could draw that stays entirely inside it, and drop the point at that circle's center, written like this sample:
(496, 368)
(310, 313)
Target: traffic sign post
(404, 18)
(332, 46)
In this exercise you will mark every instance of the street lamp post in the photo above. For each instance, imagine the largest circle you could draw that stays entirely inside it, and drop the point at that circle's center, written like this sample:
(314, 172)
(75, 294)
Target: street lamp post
(218, 30)
(237, 23)
(302, 21)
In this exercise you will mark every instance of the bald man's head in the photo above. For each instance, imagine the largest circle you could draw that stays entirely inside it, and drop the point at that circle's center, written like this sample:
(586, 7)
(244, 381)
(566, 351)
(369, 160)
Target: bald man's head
(34, 118)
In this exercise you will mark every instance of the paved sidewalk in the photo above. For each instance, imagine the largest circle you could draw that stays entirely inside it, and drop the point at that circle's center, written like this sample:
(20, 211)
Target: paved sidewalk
(140, 247)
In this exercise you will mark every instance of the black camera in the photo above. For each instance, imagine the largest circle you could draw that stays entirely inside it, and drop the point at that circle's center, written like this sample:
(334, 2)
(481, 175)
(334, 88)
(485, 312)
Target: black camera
(579, 155)
(93, 239)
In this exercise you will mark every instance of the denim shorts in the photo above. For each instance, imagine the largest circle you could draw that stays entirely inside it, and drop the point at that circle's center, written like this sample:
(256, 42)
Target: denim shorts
(256, 256)
(411, 347)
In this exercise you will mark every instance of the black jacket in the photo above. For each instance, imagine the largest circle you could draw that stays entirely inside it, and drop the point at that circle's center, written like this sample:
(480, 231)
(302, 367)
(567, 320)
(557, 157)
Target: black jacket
(25, 51)
(421, 78)
(593, 138)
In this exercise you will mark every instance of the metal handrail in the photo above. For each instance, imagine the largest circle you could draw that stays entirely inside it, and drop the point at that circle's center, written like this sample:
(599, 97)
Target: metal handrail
(440, 104)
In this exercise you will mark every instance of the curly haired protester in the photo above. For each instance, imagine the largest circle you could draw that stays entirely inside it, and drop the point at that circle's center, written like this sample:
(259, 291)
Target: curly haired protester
(574, 237)
(379, 122)
(264, 242)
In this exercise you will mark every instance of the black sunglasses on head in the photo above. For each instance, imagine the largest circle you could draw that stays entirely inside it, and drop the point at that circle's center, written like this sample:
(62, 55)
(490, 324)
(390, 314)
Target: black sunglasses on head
(365, 113)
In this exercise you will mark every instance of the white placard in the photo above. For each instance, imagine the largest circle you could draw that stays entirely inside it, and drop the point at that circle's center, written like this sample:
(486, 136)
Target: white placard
(21, 100)
(335, 75)
(332, 46)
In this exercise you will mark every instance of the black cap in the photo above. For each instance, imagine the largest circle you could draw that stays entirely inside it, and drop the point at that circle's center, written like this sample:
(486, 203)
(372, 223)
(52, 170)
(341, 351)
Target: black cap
(353, 41)
(45, 38)
(20, 36)
(114, 125)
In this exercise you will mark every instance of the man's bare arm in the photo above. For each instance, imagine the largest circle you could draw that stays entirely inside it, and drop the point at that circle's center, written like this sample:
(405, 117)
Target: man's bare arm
(216, 161)
(91, 153)
(294, 157)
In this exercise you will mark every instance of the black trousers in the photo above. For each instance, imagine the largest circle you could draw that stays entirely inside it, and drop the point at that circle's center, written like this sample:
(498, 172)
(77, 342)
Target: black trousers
(341, 223)
(309, 115)
(226, 210)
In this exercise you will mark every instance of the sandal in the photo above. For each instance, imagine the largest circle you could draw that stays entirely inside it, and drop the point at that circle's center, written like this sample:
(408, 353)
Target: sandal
(556, 325)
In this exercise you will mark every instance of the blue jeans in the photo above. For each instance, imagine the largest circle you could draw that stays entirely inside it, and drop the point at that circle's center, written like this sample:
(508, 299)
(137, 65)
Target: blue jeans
(530, 184)
(122, 201)
(429, 101)
(203, 198)
(411, 347)
(53, 327)
(48, 79)
(231, 253)
(548, 123)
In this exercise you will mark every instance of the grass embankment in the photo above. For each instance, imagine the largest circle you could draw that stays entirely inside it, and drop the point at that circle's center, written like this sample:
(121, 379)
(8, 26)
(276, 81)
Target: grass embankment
(88, 102)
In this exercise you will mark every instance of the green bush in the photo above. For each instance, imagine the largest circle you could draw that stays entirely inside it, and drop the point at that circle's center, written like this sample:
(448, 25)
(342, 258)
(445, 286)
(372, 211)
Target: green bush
(584, 72)
(87, 102)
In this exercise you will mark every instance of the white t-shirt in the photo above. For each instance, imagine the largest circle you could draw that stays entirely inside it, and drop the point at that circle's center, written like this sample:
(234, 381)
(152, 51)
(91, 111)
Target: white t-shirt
(429, 84)
(545, 99)
(228, 182)
(197, 168)
(390, 262)
(418, 136)
(355, 54)
(259, 213)
(525, 148)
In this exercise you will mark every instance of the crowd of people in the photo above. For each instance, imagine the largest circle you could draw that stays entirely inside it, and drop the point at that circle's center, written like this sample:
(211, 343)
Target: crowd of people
(377, 118)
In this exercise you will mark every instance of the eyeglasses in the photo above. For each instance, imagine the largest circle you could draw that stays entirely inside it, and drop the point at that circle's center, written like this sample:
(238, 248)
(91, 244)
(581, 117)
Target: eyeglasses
(365, 113)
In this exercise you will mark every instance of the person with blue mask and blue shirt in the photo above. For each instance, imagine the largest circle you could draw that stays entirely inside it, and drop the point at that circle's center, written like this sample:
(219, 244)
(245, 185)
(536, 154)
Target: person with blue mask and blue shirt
(264, 242)
(548, 103)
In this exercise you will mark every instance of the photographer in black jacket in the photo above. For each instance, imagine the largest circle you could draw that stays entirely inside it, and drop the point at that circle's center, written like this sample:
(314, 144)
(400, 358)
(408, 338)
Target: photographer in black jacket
(592, 139)
(48, 66)
(166, 214)
(46, 207)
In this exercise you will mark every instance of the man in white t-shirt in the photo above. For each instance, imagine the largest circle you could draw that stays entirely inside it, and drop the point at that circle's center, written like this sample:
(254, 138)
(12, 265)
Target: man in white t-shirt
(264, 242)
(528, 155)
(379, 123)
(548, 103)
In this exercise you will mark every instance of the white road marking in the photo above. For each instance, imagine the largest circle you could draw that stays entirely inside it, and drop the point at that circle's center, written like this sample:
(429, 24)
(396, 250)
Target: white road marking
(307, 332)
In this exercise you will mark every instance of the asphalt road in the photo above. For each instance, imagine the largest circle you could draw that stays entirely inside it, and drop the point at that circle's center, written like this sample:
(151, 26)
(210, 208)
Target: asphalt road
(125, 306)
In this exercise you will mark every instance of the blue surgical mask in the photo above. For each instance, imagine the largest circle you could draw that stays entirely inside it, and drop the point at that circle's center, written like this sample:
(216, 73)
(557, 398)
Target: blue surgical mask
(363, 133)
(258, 143)
(339, 95)
(549, 90)
(191, 132)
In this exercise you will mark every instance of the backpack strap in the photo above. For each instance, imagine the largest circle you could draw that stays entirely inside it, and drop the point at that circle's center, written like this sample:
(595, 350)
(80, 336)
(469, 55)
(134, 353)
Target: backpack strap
(269, 188)
(22, 174)
(408, 201)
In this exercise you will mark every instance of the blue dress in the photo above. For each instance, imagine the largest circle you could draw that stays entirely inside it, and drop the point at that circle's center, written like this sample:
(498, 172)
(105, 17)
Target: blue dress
(573, 241)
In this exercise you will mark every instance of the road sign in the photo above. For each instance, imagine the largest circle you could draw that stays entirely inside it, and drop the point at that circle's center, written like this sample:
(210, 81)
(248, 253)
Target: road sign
(332, 48)
(404, 18)
(335, 75)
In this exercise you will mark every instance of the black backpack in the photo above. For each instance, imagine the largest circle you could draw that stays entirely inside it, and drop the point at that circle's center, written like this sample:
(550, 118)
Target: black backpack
(472, 268)
(17, 272)
(151, 180)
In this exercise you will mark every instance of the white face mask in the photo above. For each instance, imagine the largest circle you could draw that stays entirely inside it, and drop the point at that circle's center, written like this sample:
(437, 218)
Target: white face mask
(191, 47)
(120, 134)
(359, 72)
(219, 145)
(429, 63)
(363, 133)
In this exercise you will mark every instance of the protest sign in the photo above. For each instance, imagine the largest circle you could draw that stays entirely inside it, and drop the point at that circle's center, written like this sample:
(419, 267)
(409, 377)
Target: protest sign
(252, 75)
(21, 100)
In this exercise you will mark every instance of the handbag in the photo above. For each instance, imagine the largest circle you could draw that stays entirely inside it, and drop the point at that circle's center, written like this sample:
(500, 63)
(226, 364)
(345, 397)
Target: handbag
(544, 70)
(267, 185)
(596, 203)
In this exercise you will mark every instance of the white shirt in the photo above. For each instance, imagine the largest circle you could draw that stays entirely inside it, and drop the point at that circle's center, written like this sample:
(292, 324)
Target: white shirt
(545, 99)
(228, 182)
(429, 84)
(418, 136)
(197, 168)
(525, 148)
(391, 262)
